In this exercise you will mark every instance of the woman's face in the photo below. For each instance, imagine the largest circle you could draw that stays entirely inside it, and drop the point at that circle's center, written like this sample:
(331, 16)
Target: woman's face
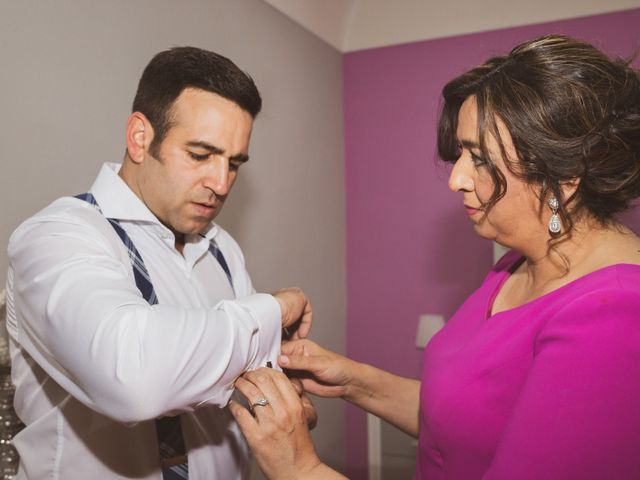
(513, 221)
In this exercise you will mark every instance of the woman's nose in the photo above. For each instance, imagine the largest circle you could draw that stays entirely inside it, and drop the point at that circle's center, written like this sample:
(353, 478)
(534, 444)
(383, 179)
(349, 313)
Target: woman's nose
(461, 179)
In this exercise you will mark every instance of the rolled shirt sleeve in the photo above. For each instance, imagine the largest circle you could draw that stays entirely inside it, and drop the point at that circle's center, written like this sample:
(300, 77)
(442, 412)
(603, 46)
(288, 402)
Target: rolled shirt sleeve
(77, 312)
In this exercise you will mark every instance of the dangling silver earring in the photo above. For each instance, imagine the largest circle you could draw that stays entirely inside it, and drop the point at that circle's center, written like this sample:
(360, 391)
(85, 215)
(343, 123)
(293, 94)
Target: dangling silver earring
(555, 227)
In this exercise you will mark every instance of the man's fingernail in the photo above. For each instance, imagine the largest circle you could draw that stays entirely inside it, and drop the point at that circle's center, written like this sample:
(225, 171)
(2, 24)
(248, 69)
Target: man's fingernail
(283, 360)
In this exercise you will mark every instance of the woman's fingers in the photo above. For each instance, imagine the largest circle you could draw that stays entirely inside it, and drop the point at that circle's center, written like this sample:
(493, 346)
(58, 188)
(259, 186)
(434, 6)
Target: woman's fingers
(278, 435)
(310, 412)
(329, 372)
(299, 347)
(297, 362)
(264, 395)
(285, 412)
(245, 420)
(297, 385)
(274, 385)
(255, 397)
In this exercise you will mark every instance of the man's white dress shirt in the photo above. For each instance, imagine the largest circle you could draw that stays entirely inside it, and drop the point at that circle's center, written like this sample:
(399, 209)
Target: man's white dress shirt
(94, 364)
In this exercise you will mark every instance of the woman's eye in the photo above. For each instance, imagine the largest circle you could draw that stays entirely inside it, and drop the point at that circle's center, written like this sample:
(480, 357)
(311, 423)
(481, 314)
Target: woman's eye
(477, 160)
(458, 150)
(199, 157)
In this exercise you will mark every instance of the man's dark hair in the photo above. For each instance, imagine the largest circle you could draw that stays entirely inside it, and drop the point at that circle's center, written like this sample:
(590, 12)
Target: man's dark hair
(171, 71)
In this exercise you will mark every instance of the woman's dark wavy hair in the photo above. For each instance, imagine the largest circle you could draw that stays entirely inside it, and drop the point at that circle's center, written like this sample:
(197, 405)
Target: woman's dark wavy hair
(572, 113)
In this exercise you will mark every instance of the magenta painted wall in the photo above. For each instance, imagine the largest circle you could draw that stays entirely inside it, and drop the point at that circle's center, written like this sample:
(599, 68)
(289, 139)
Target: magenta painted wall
(410, 246)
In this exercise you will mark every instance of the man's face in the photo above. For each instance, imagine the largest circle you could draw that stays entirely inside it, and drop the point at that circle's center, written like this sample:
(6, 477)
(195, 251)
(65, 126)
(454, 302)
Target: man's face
(197, 163)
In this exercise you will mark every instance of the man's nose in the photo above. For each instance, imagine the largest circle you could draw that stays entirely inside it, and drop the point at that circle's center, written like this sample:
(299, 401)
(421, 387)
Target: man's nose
(460, 179)
(217, 176)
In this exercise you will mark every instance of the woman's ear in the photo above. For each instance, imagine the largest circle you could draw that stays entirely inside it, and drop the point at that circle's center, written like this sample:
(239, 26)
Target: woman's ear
(138, 135)
(569, 188)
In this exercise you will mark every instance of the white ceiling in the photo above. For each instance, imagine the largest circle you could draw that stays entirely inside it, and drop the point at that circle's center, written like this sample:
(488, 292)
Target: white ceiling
(350, 25)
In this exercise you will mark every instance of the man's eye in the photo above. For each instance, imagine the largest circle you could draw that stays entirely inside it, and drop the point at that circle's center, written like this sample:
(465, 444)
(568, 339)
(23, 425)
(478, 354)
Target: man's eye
(199, 157)
(234, 166)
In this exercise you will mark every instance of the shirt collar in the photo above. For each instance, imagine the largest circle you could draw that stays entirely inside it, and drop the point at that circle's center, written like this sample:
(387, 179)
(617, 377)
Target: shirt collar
(118, 201)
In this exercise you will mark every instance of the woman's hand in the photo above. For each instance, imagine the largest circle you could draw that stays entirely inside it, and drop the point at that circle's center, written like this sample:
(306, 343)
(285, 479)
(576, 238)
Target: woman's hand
(277, 431)
(322, 372)
(310, 412)
(327, 374)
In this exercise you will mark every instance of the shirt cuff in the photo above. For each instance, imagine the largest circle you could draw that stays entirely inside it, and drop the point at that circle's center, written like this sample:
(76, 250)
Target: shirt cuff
(267, 314)
(265, 344)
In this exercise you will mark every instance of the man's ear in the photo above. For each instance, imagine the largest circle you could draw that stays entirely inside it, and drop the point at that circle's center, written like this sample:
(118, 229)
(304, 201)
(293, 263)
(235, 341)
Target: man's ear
(139, 135)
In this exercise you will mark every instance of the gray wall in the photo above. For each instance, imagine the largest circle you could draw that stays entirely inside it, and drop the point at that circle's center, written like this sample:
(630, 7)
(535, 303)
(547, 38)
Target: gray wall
(67, 78)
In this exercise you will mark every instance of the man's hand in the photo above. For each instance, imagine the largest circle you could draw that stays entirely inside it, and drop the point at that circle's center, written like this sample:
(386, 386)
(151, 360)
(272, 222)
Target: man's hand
(296, 311)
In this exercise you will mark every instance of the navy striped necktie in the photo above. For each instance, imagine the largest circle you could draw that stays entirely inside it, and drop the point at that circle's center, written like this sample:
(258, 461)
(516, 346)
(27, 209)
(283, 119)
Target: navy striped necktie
(170, 438)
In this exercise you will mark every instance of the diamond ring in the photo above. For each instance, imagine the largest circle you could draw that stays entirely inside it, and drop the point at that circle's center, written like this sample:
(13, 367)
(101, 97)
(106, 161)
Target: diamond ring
(260, 402)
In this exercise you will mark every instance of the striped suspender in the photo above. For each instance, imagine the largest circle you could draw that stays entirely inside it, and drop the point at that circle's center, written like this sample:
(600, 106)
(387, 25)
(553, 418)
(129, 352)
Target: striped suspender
(170, 440)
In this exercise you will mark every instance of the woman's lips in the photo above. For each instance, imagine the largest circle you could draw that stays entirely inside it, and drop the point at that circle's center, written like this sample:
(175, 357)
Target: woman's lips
(471, 211)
